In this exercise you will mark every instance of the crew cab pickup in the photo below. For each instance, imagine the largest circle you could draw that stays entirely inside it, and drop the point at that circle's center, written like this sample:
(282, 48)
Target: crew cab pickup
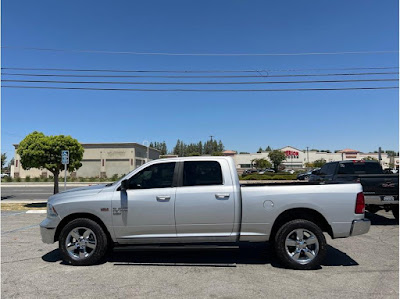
(200, 200)
(381, 190)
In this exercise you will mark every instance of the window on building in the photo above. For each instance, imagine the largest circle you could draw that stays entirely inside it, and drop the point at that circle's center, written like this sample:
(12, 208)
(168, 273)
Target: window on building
(153, 176)
(200, 173)
(245, 165)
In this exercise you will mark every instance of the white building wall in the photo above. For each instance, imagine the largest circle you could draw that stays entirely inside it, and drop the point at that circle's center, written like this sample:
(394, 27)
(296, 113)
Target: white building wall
(297, 158)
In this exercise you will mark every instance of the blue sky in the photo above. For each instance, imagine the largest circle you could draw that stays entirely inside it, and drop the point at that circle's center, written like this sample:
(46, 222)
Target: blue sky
(363, 120)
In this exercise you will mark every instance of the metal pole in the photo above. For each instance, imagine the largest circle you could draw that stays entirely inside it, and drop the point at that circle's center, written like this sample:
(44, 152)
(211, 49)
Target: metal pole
(65, 177)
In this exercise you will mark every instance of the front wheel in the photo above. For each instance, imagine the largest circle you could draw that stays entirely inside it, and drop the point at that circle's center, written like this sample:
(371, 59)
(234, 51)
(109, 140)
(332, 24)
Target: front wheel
(300, 244)
(83, 242)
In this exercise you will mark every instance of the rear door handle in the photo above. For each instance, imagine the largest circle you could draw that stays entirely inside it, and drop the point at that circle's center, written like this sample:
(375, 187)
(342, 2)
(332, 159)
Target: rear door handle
(222, 195)
(163, 198)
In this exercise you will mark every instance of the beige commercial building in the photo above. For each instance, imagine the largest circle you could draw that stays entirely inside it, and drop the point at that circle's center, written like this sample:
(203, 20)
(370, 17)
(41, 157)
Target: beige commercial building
(297, 159)
(99, 160)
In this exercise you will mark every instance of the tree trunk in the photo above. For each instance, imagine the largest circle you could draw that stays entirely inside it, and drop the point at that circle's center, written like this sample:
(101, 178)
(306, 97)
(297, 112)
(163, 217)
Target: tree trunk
(56, 182)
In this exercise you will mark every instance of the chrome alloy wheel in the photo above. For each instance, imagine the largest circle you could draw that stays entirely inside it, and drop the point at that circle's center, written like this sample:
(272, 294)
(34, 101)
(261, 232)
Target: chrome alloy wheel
(302, 246)
(80, 243)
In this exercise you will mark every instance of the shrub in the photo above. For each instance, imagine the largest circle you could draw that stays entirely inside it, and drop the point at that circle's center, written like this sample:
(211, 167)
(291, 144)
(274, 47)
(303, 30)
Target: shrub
(254, 177)
(9, 179)
(114, 177)
(18, 179)
(45, 179)
(81, 179)
(36, 179)
(28, 178)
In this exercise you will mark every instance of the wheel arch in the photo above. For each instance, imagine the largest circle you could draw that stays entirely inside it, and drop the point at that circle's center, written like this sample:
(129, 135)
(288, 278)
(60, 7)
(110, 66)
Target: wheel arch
(74, 216)
(301, 213)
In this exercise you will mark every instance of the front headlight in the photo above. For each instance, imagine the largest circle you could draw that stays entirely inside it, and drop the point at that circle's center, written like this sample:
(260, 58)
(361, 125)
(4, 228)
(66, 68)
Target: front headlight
(51, 211)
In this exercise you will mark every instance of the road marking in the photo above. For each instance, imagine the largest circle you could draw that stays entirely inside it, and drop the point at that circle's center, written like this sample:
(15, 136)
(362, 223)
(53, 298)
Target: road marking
(36, 211)
(13, 214)
(18, 229)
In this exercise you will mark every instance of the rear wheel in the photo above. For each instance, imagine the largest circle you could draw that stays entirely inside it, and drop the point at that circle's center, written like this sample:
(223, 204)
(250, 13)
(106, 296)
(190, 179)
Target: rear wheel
(300, 244)
(83, 242)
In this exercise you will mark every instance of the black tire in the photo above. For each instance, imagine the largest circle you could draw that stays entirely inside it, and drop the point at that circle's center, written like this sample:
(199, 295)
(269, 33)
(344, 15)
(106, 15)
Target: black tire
(101, 242)
(395, 211)
(285, 231)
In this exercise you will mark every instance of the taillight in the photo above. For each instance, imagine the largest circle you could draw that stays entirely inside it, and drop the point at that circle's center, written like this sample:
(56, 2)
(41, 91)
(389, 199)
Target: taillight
(360, 203)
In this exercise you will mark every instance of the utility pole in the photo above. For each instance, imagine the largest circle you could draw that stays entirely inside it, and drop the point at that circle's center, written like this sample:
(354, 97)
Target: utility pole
(308, 160)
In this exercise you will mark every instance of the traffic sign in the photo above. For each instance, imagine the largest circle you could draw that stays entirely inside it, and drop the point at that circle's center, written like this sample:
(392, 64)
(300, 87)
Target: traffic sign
(65, 157)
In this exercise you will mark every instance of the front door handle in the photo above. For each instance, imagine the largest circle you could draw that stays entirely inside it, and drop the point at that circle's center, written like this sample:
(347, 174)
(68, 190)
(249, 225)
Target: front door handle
(163, 198)
(222, 195)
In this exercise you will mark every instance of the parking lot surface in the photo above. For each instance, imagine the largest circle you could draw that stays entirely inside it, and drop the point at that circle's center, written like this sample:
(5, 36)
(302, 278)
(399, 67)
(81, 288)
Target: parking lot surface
(365, 266)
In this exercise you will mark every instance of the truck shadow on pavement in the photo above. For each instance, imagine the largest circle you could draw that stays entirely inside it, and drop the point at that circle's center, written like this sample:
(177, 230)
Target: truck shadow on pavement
(250, 254)
(377, 219)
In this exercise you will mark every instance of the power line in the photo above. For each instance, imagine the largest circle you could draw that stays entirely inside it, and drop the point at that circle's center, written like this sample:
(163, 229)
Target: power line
(198, 83)
(191, 71)
(200, 76)
(200, 90)
(196, 54)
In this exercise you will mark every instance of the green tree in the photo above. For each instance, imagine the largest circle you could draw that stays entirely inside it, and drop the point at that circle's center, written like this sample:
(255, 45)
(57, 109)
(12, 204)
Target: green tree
(277, 157)
(261, 163)
(40, 151)
(268, 149)
(391, 153)
(319, 163)
(161, 146)
(3, 160)
(369, 158)
(260, 150)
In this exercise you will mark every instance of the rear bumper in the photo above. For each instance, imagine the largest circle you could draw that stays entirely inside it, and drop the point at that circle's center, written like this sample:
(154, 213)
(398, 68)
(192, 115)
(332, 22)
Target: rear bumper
(359, 227)
(380, 200)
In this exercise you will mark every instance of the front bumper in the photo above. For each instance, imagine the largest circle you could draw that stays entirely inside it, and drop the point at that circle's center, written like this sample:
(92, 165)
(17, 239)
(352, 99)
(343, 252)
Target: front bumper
(48, 230)
(359, 227)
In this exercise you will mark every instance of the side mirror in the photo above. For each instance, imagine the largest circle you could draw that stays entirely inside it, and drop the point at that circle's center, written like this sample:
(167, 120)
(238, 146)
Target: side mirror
(124, 185)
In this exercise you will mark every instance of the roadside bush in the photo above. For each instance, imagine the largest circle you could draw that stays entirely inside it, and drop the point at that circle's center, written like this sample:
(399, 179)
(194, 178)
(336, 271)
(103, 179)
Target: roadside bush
(44, 179)
(81, 179)
(18, 179)
(27, 178)
(256, 177)
(36, 179)
(114, 177)
(9, 179)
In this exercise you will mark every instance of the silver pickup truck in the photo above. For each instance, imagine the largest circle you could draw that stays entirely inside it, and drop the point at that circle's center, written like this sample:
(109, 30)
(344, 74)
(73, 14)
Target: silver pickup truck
(200, 200)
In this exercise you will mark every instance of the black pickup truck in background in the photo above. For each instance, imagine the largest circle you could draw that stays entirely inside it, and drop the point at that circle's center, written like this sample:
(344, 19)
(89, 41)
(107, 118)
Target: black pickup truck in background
(381, 190)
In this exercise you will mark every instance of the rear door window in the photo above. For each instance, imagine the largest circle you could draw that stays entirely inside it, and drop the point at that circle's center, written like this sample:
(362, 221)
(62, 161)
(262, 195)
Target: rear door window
(202, 173)
(328, 169)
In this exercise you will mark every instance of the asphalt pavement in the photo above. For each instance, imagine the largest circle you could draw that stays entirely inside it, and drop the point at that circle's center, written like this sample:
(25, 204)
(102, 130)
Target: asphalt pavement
(365, 266)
